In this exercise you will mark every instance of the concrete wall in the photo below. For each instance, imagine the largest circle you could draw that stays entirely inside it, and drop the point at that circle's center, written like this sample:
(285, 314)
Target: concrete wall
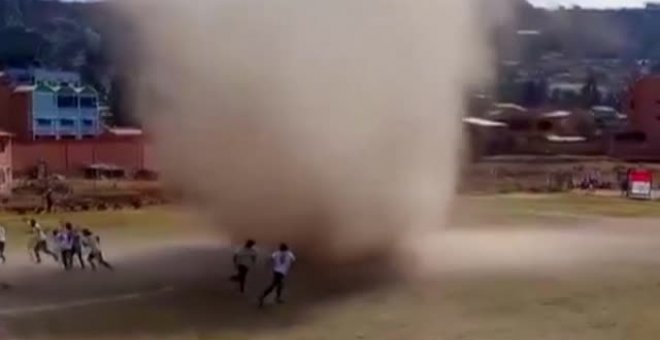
(69, 157)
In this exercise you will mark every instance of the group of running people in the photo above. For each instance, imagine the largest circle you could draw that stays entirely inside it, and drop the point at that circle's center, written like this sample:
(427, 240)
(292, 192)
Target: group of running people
(67, 243)
(64, 244)
(281, 262)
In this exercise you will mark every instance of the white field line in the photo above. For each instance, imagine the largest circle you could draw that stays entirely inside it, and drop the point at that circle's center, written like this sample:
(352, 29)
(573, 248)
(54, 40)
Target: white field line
(19, 311)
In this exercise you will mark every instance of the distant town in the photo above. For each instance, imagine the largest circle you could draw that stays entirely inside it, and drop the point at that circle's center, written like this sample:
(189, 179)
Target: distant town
(569, 81)
(572, 81)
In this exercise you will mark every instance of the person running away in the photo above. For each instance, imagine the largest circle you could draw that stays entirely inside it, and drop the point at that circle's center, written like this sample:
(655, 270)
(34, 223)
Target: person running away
(92, 243)
(282, 260)
(65, 244)
(244, 259)
(37, 243)
(76, 244)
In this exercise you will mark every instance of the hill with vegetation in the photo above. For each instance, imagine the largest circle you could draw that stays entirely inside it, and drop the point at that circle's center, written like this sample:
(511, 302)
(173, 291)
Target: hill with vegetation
(90, 38)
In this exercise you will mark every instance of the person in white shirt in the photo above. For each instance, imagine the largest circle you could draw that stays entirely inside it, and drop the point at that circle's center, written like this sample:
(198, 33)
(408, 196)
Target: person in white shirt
(244, 259)
(3, 240)
(92, 242)
(37, 242)
(282, 261)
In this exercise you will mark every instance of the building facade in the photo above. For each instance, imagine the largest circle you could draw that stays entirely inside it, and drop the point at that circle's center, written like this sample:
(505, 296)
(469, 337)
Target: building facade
(643, 107)
(39, 104)
(53, 120)
(641, 139)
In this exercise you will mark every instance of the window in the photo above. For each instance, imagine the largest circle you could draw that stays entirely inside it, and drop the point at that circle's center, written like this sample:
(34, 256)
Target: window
(88, 123)
(88, 102)
(44, 122)
(67, 101)
(67, 122)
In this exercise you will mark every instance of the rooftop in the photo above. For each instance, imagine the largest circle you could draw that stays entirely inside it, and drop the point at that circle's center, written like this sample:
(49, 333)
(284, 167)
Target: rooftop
(483, 122)
(125, 131)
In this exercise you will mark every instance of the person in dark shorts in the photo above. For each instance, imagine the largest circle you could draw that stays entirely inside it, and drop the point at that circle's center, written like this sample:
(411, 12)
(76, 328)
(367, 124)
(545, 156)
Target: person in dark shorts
(282, 261)
(244, 260)
(76, 244)
(65, 245)
(92, 243)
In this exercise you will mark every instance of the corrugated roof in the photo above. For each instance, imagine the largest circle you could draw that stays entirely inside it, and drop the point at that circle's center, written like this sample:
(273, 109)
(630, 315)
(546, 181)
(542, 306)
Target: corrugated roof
(42, 86)
(557, 114)
(511, 106)
(125, 131)
(24, 88)
(603, 108)
(483, 122)
(565, 139)
(103, 167)
(528, 32)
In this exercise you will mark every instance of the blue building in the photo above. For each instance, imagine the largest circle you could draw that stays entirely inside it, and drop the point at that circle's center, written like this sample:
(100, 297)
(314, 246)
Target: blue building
(60, 105)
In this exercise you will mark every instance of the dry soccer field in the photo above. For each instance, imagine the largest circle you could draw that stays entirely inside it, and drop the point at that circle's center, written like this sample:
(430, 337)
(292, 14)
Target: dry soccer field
(516, 267)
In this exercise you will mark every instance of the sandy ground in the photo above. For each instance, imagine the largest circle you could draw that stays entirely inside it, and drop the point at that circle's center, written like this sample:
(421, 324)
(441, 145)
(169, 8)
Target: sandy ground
(598, 280)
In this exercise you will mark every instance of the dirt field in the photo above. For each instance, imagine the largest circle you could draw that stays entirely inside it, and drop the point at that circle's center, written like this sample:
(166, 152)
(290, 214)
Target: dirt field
(512, 267)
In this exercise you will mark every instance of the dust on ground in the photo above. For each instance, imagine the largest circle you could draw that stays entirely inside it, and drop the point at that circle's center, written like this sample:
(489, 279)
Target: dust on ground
(597, 279)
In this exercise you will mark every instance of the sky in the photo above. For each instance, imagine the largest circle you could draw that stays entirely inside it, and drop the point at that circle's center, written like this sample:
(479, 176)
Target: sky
(591, 3)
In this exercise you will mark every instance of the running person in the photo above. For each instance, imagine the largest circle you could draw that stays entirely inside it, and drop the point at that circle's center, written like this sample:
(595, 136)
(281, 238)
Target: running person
(244, 259)
(76, 244)
(92, 243)
(65, 244)
(282, 260)
(37, 243)
(3, 240)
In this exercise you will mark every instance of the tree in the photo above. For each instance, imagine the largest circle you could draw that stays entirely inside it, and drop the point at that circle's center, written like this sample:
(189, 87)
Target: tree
(121, 103)
(20, 47)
